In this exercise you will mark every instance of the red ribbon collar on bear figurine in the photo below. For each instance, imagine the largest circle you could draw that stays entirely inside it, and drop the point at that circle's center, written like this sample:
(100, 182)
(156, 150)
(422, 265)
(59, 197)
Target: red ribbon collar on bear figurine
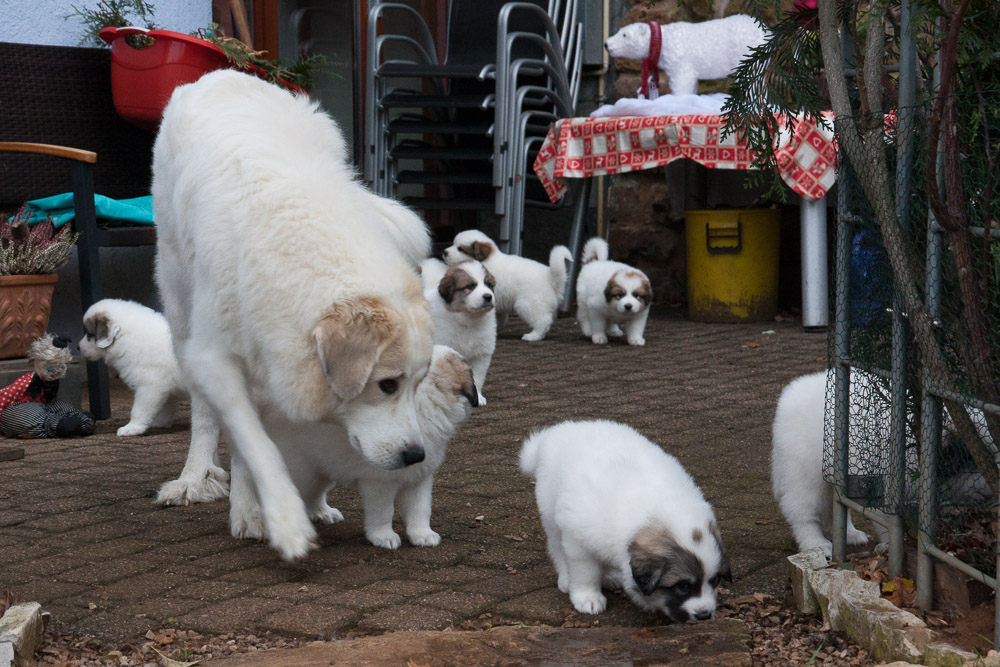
(650, 66)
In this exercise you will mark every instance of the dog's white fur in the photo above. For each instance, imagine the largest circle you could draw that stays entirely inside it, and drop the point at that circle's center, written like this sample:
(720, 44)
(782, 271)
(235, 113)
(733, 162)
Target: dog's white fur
(463, 309)
(320, 456)
(692, 51)
(524, 286)
(611, 296)
(802, 417)
(805, 499)
(286, 285)
(618, 510)
(134, 341)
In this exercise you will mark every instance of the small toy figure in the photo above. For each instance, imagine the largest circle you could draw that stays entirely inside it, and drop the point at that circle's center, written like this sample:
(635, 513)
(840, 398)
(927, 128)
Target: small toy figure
(27, 406)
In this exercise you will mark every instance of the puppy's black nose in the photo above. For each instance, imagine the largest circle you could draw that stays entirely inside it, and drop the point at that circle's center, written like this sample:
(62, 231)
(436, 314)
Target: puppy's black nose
(627, 306)
(703, 616)
(487, 297)
(413, 454)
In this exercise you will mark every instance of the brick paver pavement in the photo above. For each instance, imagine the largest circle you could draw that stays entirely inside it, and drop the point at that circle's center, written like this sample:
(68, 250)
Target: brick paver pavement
(80, 534)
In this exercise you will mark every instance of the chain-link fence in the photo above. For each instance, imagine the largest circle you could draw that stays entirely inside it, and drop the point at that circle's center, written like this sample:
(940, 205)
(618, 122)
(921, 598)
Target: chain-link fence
(914, 386)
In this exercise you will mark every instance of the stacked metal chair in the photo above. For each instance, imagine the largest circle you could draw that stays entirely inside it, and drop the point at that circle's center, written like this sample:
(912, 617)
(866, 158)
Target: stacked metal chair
(469, 125)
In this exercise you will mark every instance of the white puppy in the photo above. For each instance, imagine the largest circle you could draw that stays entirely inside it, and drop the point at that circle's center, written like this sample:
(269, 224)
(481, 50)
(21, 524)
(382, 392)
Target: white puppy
(524, 286)
(134, 342)
(805, 499)
(611, 293)
(618, 510)
(287, 288)
(320, 456)
(692, 51)
(802, 418)
(462, 307)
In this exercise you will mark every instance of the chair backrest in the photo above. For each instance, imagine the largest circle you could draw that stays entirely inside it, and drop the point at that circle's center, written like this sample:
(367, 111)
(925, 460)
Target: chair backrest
(472, 31)
(62, 95)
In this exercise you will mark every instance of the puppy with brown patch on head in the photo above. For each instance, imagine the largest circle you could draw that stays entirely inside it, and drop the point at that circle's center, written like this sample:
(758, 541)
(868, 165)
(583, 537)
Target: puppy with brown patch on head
(320, 456)
(134, 342)
(463, 309)
(524, 286)
(611, 296)
(619, 511)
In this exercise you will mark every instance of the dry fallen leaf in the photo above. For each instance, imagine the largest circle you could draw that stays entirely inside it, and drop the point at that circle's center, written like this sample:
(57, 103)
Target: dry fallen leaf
(170, 662)
(753, 345)
(410, 663)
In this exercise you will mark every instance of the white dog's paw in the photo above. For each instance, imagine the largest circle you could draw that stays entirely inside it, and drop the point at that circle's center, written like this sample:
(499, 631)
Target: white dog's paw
(290, 531)
(563, 583)
(826, 546)
(589, 602)
(638, 340)
(533, 336)
(599, 339)
(856, 537)
(424, 537)
(482, 400)
(131, 428)
(615, 330)
(385, 538)
(247, 526)
(206, 488)
(326, 514)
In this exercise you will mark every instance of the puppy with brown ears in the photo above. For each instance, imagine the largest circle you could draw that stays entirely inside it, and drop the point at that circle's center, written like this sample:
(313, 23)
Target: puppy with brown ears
(524, 286)
(134, 342)
(463, 304)
(611, 296)
(618, 511)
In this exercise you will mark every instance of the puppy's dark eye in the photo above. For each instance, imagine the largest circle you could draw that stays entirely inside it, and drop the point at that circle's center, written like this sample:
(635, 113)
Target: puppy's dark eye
(471, 286)
(681, 587)
(388, 386)
(715, 581)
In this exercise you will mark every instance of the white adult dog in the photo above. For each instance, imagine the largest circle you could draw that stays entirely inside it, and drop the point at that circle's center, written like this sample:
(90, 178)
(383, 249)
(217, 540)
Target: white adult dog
(320, 456)
(524, 286)
(462, 307)
(618, 510)
(289, 288)
(134, 342)
(692, 51)
(611, 295)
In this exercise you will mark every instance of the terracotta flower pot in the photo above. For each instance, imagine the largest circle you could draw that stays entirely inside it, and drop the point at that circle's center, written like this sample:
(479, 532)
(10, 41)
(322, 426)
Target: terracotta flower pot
(25, 302)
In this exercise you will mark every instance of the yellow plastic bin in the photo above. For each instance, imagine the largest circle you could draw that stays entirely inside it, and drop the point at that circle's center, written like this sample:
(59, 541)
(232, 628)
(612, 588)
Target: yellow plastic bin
(732, 264)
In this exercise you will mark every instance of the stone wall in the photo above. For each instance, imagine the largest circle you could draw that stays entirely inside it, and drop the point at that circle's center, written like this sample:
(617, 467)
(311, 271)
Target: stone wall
(646, 209)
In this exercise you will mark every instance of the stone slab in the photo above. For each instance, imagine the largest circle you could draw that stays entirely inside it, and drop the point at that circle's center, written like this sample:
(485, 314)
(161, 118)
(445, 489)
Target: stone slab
(11, 453)
(799, 567)
(713, 643)
(22, 627)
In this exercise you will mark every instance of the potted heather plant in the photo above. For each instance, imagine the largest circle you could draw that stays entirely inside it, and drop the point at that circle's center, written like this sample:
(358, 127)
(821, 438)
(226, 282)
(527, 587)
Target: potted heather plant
(30, 256)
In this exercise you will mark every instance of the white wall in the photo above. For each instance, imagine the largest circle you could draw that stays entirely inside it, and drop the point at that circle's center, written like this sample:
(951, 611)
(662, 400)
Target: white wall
(44, 22)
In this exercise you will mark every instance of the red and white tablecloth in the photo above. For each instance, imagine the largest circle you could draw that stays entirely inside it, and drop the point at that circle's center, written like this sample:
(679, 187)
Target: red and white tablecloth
(584, 147)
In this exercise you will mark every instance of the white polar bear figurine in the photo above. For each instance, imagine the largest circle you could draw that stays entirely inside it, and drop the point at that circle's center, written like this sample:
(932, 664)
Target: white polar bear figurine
(692, 51)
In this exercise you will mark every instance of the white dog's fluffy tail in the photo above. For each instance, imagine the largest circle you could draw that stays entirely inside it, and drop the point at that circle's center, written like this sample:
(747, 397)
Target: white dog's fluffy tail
(596, 249)
(529, 454)
(406, 228)
(558, 257)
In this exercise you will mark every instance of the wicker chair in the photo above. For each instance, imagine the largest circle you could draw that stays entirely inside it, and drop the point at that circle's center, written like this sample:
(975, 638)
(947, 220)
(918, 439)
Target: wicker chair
(60, 97)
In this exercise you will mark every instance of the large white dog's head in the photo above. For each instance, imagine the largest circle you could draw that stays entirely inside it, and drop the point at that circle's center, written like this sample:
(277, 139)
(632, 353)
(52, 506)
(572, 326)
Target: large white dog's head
(374, 356)
(467, 287)
(632, 41)
(679, 571)
(628, 292)
(470, 244)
